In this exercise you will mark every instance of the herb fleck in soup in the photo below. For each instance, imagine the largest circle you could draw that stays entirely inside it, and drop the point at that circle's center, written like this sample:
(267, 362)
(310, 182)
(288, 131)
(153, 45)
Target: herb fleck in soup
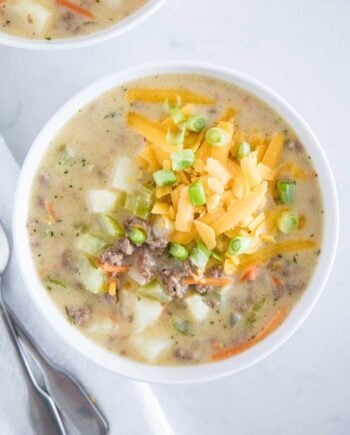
(57, 19)
(176, 220)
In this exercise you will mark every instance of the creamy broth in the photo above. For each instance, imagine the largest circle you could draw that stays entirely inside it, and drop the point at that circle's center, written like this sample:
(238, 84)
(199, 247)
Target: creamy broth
(194, 324)
(58, 19)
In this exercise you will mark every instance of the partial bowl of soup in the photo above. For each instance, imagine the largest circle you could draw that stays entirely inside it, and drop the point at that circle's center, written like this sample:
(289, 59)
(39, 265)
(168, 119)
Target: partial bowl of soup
(60, 24)
(176, 223)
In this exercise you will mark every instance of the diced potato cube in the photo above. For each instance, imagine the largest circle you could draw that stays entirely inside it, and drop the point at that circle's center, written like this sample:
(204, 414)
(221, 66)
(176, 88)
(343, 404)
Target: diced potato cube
(199, 309)
(103, 326)
(126, 174)
(145, 311)
(32, 16)
(150, 348)
(102, 201)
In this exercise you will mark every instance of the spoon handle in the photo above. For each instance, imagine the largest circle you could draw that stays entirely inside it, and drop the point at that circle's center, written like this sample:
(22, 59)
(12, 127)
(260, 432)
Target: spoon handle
(70, 397)
(44, 414)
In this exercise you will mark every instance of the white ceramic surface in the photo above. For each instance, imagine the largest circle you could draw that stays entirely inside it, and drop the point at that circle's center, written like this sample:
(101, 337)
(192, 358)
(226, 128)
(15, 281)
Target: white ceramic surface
(83, 41)
(205, 372)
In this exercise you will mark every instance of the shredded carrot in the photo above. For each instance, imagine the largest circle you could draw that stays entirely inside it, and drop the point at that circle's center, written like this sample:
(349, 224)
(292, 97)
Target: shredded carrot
(76, 8)
(215, 282)
(271, 326)
(110, 268)
(112, 287)
(51, 212)
(277, 281)
(249, 274)
(302, 222)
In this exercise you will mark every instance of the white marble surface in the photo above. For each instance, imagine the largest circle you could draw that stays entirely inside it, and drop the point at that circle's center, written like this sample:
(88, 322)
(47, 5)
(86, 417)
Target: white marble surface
(301, 49)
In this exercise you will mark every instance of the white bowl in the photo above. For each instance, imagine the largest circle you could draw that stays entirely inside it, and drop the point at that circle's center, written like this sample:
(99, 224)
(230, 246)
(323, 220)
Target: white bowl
(130, 368)
(83, 41)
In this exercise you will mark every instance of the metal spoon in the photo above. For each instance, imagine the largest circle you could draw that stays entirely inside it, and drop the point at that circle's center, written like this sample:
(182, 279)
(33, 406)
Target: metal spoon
(71, 399)
(44, 414)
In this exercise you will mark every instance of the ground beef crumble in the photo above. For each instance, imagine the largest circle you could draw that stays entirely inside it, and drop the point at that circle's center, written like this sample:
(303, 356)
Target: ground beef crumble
(79, 315)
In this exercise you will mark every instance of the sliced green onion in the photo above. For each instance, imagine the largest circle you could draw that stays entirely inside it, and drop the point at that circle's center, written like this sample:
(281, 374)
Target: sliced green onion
(176, 138)
(196, 123)
(243, 150)
(164, 177)
(217, 137)
(286, 191)
(137, 236)
(197, 193)
(288, 222)
(178, 251)
(238, 245)
(174, 111)
(181, 326)
(217, 257)
(182, 159)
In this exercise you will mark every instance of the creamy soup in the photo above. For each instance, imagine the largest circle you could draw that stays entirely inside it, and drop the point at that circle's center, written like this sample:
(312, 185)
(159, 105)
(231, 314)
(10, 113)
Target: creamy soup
(176, 220)
(56, 19)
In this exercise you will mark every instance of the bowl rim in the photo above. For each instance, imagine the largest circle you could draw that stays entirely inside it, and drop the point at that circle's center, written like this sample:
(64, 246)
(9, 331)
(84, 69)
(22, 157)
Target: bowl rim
(102, 35)
(197, 373)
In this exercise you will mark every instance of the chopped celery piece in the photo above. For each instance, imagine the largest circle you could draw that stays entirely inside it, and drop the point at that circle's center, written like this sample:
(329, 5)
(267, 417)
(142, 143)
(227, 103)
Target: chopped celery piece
(56, 282)
(138, 205)
(137, 236)
(197, 194)
(243, 150)
(147, 190)
(253, 313)
(110, 226)
(181, 326)
(178, 251)
(164, 177)
(92, 277)
(140, 201)
(155, 291)
(90, 244)
(196, 123)
(182, 159)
